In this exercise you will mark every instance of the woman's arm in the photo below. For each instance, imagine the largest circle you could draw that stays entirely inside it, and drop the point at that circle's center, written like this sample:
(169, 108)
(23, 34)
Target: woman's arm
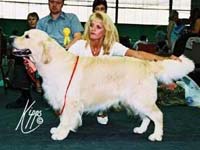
(147, 56)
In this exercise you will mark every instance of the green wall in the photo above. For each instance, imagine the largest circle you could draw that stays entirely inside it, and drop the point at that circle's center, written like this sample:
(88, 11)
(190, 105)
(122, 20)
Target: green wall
(135, 31)
(195, 4)
(8, 25)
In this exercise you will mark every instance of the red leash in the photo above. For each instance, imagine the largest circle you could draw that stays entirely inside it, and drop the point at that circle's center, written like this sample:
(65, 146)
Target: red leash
(75, 65)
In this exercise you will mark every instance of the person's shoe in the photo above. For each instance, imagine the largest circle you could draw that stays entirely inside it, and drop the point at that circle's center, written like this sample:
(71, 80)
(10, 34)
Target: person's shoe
(102, 119)
(19, 103)
(7, 82)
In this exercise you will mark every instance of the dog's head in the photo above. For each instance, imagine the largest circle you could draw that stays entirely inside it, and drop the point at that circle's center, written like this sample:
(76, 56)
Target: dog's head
(34, 43)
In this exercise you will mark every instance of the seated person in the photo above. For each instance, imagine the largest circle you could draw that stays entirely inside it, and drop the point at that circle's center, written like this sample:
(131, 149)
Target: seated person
(143, 39)
(21, 80)
(194, 31)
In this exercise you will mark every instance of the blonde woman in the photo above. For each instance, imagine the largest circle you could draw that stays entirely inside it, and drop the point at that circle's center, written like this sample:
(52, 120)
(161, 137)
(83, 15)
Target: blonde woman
(101, 38)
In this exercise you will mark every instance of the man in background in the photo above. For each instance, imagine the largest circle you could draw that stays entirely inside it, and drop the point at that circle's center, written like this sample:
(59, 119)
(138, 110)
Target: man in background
(57, 21)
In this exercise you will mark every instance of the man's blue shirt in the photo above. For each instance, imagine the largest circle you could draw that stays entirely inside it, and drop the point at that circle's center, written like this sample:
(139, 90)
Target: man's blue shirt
(55, 27)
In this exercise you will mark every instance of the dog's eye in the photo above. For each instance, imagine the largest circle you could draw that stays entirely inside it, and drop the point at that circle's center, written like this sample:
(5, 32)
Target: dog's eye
(27, 36)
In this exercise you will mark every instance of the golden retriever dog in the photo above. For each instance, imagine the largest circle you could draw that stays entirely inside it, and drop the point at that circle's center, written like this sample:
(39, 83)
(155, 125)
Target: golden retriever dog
(98, 82)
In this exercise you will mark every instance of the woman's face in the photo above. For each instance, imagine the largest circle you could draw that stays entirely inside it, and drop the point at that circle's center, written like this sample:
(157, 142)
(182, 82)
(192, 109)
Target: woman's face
(176, 18)
(96, 30)
(32, 22)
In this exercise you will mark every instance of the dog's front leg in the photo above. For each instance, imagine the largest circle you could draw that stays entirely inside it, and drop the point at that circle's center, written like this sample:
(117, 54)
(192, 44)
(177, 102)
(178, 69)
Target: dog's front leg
(143, 127)
(60, 133)
(69, 121)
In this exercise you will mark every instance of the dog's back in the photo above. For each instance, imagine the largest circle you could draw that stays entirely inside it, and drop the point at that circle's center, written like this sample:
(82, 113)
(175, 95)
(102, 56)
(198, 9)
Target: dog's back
(106, 79)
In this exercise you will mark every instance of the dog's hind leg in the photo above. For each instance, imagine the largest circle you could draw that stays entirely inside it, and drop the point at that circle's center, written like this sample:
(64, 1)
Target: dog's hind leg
(156, 116)
(69, 121)
(143, 127)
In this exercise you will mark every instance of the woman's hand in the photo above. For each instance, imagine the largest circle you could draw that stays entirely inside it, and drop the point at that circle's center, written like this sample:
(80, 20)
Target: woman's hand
(175, 58)
(30, 67)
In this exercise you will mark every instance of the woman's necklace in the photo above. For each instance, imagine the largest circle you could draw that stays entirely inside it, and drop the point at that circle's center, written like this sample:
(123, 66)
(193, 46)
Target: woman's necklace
(95, 51)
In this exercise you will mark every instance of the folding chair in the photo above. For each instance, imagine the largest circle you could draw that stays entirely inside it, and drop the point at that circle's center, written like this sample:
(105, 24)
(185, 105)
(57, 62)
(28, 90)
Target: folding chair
(149, 47)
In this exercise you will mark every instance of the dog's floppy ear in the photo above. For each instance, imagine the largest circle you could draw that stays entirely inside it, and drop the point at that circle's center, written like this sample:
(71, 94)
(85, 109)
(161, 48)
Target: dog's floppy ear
(46, 57)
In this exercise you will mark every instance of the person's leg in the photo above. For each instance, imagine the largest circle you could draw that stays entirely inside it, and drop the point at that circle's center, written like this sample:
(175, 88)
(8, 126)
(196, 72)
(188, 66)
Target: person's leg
(37, 84)
(38, 87)
(21, 100)
(22, 82)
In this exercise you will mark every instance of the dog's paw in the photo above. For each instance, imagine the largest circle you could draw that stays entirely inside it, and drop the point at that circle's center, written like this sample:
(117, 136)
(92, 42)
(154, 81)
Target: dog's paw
(60, 135)
(139, 130)
(155, 137)
(53, 130)
(57, 137)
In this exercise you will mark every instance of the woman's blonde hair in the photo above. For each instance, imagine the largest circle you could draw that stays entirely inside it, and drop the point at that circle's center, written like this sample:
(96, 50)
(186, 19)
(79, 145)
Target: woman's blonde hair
(111, 33)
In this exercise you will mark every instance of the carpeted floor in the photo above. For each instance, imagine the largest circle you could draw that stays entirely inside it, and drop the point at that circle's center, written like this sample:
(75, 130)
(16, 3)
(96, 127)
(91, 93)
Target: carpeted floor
(181, 130)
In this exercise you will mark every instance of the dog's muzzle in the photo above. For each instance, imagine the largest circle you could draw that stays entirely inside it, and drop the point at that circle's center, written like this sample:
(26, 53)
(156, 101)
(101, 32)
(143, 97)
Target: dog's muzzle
(21, 52)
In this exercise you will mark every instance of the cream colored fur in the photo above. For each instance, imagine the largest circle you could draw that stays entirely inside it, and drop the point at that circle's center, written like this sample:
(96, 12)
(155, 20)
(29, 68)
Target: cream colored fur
(99, 82)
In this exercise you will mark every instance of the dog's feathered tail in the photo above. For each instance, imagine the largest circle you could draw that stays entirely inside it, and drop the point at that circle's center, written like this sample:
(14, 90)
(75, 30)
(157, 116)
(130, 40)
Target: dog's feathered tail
(168, 70)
